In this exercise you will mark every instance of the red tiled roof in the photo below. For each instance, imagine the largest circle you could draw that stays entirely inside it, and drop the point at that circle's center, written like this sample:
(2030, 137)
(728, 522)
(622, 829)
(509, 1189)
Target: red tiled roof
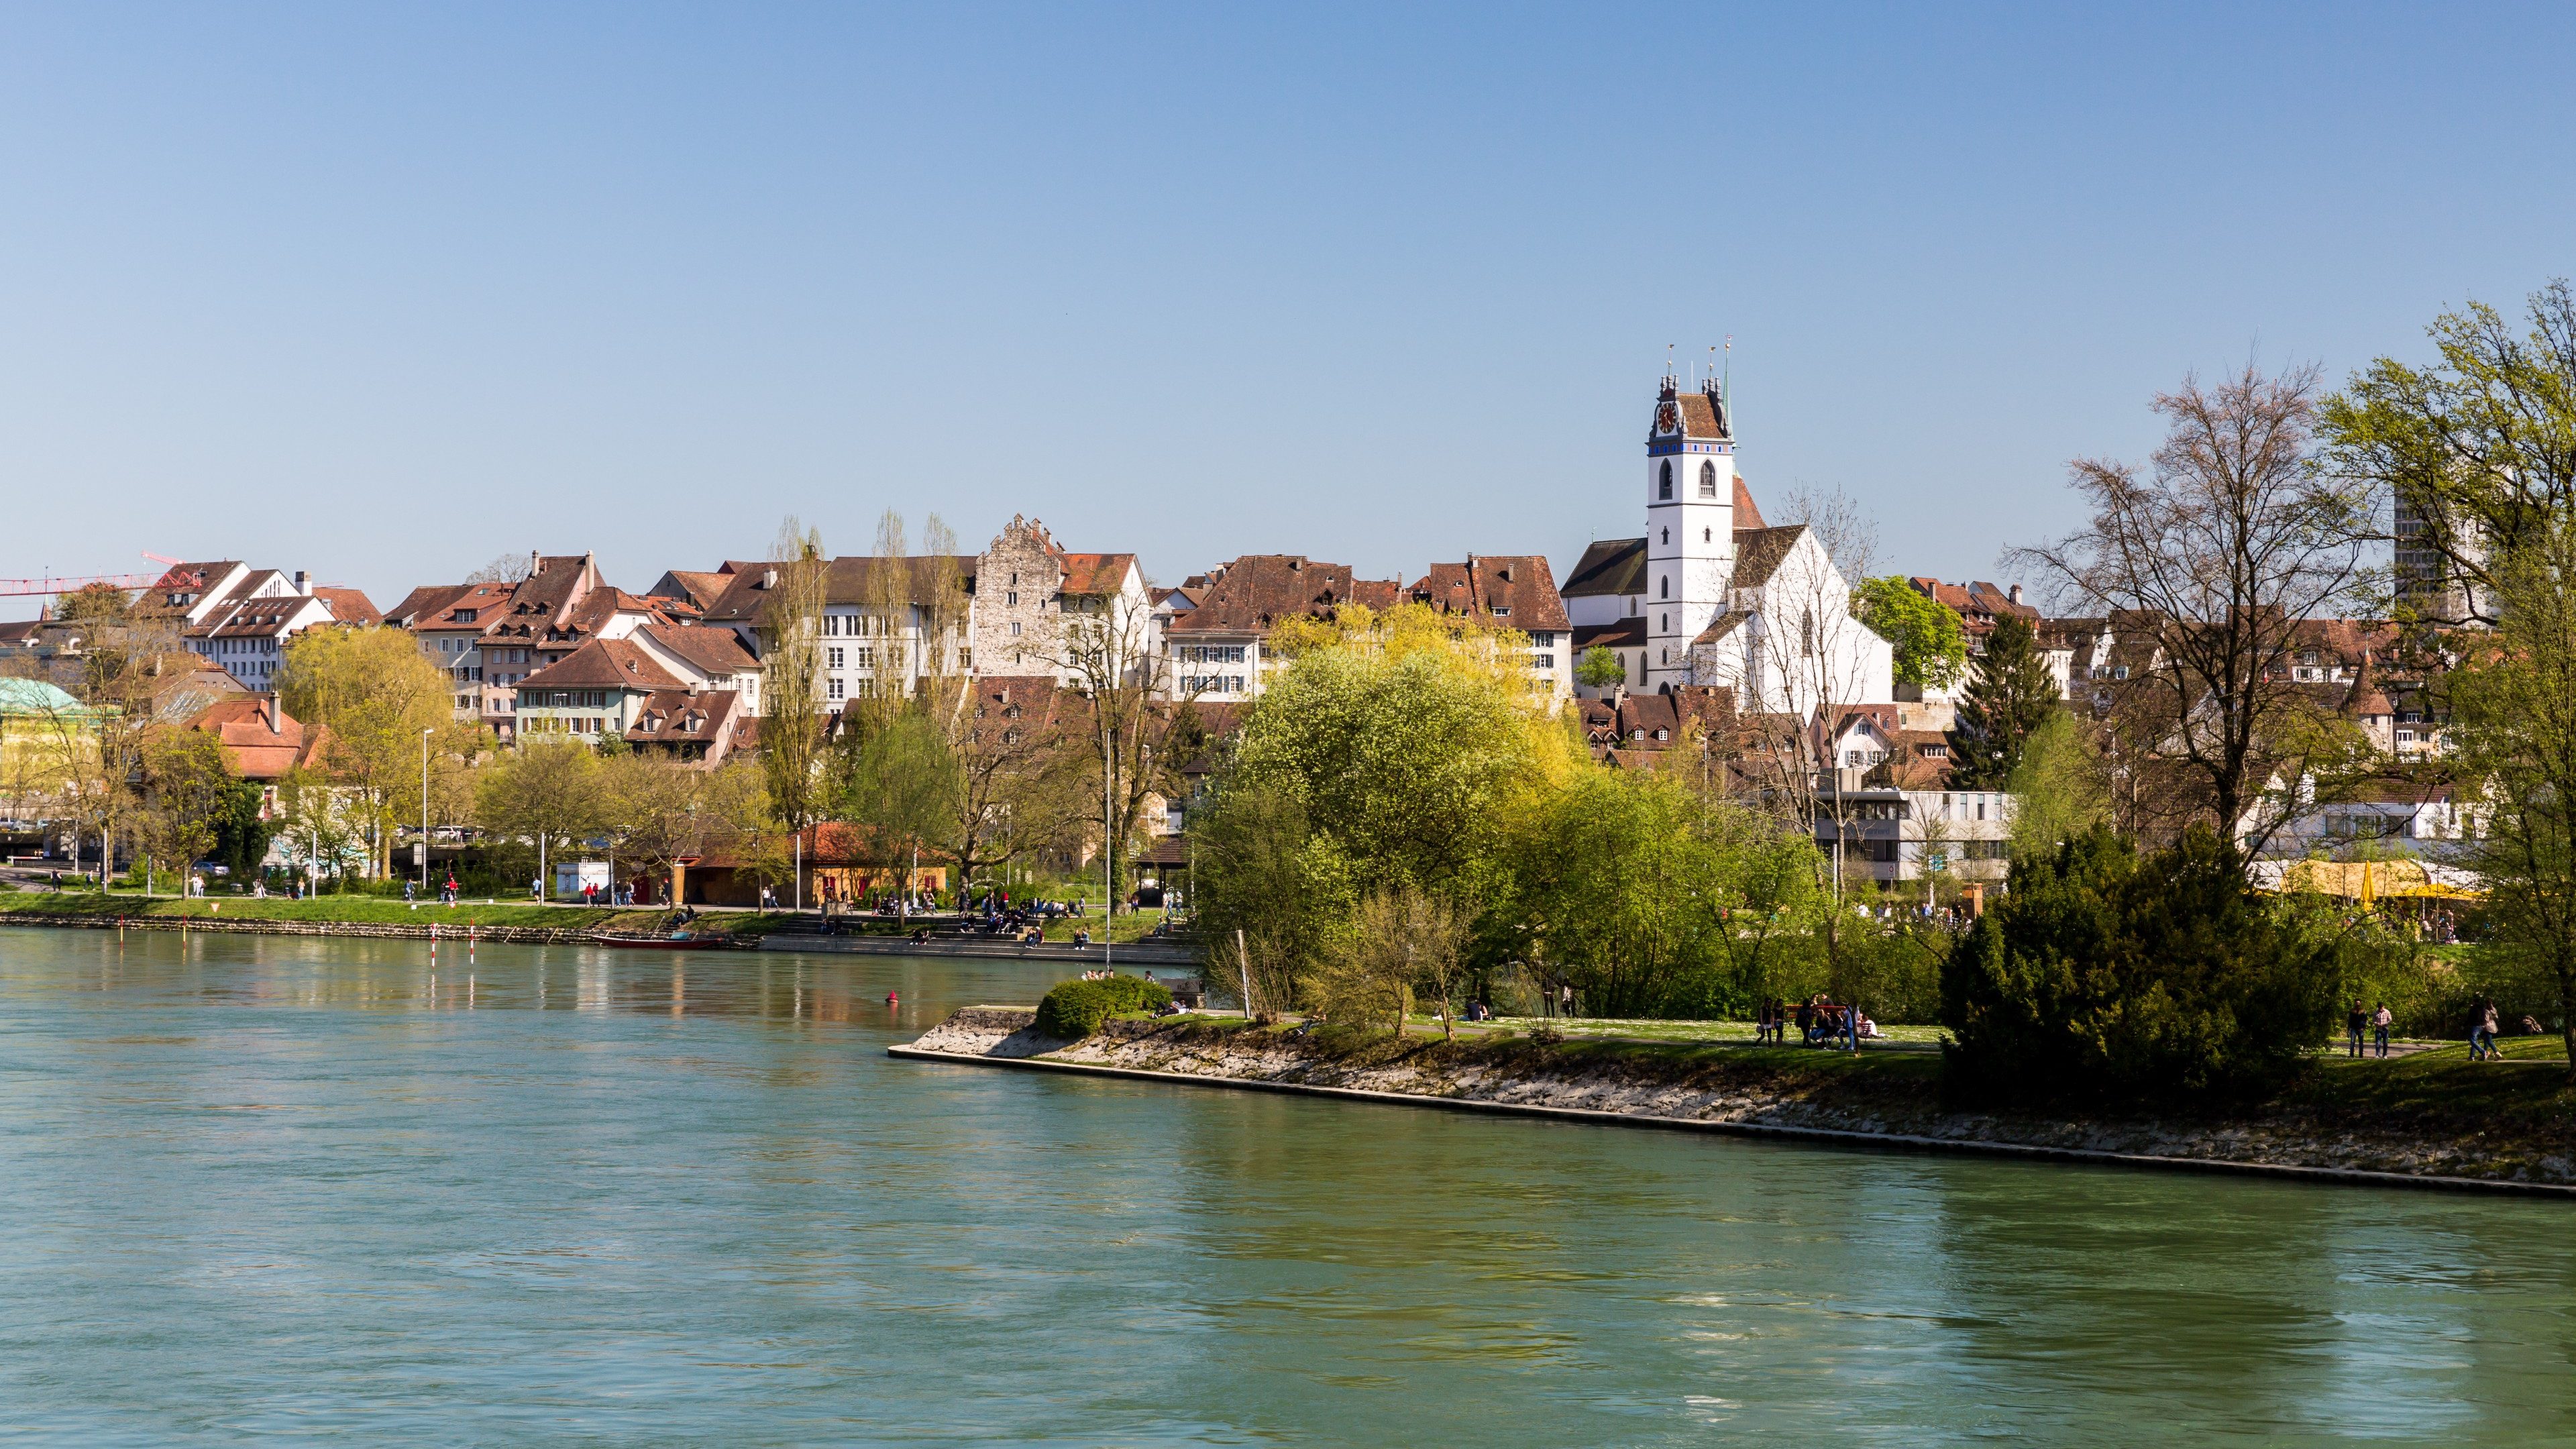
(604, 664)
(1258, 590)
(715, 652)
(260, 739)
(423, 602)
(675, 716)
(1095, 574)
(1627, 633)
(349, 606)
(1746, 515)
(1517, 589)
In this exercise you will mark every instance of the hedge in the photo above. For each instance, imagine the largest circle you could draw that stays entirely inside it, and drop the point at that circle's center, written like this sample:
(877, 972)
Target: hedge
(1074, 1009)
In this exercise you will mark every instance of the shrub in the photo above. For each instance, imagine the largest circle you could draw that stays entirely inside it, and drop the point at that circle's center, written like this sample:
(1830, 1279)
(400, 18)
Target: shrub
(1074, 1009)
(2108, 978)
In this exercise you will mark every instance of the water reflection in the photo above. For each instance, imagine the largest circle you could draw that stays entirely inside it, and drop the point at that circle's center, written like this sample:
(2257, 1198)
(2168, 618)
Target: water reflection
(262, 1186)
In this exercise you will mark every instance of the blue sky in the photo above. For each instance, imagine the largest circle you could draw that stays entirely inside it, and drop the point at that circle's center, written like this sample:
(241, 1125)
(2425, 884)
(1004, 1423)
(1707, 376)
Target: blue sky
(383, 293)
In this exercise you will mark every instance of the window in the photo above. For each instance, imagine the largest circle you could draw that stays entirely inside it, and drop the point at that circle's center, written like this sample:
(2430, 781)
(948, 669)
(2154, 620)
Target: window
(1543, 661)
(1664, 625)
(1015, 628)
(1503, 611)
(966, 659)
(1664, 486)
(867, 658)
(1707, 480)
(832, 689)
(1664, 587)
(1708, 535)
(1544, 639)
(832, 659)
(1807, 629)
(1012, 598)
(1238, 684)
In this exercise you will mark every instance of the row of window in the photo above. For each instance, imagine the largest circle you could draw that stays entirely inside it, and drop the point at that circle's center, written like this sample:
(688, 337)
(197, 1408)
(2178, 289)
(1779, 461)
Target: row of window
(1211, 653)
(1707, 481)
(568, 699)
(1211, 684)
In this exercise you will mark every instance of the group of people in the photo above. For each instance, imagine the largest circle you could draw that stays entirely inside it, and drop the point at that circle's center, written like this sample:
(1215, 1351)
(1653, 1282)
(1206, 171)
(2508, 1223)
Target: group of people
(1820, 1022)
(2376, 1022)
(447, 890)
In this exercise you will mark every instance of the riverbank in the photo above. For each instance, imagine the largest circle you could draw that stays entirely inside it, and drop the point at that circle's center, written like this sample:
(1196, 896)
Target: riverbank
(372, 917)
(2432, 1120)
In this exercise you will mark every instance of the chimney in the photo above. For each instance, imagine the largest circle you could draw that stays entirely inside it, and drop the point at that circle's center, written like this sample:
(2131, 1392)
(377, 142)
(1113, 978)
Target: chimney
(2014, 593)
(304, 583)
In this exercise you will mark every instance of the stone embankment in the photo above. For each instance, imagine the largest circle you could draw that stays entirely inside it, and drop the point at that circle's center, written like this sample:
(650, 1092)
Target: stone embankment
(1751, 1096)
(399, 931)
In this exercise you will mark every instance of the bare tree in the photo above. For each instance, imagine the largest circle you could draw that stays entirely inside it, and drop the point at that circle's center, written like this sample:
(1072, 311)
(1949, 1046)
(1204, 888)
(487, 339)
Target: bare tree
(1139, 738)
(1815, 657)
(509, 568)
(2218, 552)
(796, 584)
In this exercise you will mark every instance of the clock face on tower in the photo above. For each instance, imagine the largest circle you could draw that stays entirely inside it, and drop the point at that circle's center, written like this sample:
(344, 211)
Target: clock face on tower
(1668, 419)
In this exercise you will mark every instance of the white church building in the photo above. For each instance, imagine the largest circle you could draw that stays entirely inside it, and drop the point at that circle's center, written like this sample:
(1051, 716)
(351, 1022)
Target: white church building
(1711, 595)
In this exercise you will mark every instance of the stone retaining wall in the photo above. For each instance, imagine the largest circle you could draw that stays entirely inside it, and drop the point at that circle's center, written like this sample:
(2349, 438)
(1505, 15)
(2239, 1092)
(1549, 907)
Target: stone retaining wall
(377, 930)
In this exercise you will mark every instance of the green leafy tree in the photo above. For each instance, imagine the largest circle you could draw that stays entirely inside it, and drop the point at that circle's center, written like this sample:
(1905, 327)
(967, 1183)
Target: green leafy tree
(662, 812)
(900, 781)
(546, 792)
(1404, 942)
(2480, 446)
(188, 790)
(2513, 728)
(1931, 644)
(1764, 894)
(377, 694)
(1600, 668)
(2105, 978)
(2010, 694)
(2061, 788)
(241, 835)
(1372, 765)
(1613, 889)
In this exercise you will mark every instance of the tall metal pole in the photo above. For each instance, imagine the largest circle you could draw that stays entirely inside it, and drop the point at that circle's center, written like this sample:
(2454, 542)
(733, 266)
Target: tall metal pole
(1108, 847)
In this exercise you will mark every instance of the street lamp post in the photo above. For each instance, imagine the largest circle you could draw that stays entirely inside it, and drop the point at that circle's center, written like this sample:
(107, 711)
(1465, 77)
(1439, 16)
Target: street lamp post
(1108, 849)
(424, 812)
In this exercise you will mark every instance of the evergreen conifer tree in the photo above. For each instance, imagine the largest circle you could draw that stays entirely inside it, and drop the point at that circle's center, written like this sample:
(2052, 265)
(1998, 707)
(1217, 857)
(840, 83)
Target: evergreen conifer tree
(2010, 693)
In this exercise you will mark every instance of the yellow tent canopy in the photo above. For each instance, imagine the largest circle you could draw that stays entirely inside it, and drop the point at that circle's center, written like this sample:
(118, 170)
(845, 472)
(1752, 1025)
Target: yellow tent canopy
(2372, 880)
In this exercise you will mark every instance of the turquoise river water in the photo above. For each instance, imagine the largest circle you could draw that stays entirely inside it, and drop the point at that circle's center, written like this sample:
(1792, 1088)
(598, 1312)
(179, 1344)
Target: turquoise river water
(260, 1188)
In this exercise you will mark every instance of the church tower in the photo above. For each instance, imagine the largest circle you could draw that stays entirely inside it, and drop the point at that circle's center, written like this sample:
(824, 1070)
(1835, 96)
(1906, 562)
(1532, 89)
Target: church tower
(1690, 524)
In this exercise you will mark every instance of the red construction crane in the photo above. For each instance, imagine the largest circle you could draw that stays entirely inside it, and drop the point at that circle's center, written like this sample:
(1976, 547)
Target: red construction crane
(52, 585)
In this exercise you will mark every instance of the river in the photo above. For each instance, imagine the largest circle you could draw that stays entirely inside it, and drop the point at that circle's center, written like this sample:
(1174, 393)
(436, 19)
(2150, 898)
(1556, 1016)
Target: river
(259, 1187)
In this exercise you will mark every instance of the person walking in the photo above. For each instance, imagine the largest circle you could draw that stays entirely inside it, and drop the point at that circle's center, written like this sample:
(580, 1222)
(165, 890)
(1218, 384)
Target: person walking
(2353, 1022)
(2380, 1021)
(2481, 1032)
(2487, 1021)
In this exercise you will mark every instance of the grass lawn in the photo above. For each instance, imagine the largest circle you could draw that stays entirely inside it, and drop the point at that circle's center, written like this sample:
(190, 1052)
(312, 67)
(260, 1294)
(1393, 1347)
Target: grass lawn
(369, 910)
